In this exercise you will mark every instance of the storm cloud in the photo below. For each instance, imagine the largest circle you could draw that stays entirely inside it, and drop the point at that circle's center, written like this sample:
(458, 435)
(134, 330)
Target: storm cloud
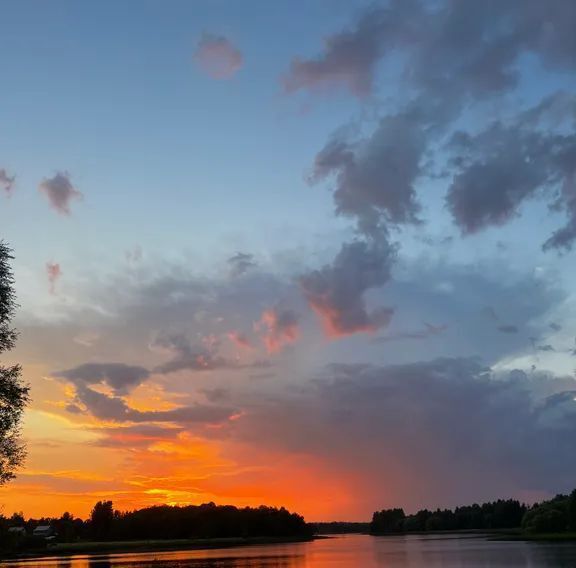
(476, 434)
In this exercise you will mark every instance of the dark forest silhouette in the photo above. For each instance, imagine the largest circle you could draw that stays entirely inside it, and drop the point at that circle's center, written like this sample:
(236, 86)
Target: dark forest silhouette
(557, 515)
(162, 522)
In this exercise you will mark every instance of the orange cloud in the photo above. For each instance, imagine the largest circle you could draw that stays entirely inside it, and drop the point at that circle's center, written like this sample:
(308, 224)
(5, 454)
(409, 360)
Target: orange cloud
(330, 319)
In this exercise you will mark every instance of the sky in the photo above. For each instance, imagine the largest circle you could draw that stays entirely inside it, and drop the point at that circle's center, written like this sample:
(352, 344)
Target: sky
(313, 254)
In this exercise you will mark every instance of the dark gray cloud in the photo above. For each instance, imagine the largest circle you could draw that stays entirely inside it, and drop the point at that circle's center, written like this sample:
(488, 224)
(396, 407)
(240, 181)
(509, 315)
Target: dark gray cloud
(375, 178)
(240, 263)
(336, 291)
(498, 169)
(218, 57)
(60, 192)
(118, 376)
(453, 58)
(115, 409)
(384, 426)
(450, 48)
(6, 181)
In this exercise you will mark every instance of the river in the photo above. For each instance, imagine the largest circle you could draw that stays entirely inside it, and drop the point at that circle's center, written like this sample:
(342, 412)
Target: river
(351, 551)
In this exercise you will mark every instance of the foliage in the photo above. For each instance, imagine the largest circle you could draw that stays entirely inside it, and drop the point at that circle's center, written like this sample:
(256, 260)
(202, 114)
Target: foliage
(208, 521)
(549, 516)
(101, 519)
(501, 514)
(339, 527)
(14, 395)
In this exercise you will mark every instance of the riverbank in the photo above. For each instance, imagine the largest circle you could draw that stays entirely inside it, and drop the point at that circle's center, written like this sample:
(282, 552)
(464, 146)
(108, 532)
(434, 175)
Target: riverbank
(538, 537)
(495, 535)
(118, 547)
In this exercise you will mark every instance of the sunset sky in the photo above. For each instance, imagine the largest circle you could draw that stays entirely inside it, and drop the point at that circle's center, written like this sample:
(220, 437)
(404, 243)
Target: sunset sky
(317, 254)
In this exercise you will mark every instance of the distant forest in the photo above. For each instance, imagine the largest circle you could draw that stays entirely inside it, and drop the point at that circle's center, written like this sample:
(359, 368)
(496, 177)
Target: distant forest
(341, 527)
(158, 523)
(558, 515)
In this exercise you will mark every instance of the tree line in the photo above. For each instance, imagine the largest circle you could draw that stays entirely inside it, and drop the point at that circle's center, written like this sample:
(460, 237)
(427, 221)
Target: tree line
(161, 522)
(556, 515)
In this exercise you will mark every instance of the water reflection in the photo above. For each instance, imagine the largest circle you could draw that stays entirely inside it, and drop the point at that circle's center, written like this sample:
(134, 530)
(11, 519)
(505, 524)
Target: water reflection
(448, 551)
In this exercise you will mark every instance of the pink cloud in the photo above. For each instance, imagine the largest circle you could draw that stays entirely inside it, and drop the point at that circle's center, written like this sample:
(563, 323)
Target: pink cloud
(217, 57)
(54, 273)
(280, 328)
(59, 192)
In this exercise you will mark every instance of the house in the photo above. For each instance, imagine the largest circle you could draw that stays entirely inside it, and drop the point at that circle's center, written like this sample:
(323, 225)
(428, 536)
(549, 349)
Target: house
(19, 533)
(44, 531)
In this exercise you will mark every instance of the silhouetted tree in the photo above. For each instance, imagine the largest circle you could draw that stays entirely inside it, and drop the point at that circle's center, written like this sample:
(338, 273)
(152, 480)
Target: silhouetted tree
(501, 514)
(387, 521)
(571, 511)
(101, 520)
(13, 392)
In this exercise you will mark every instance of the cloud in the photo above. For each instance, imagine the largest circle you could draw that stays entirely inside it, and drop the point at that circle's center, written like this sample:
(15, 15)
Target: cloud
(429, 330)
(240, 340)
(60, 192)
(187, 356)
(217, 394)
(336, 291)
(499, 168)
(451, 60)
(280, 328)
(508, 328)
(134, 255)
(115, 409)
(139, 435)
(6, 181)
(447, 47)
(217, 57)
(350, 57)
(54, 272)
(118, 376)
(375, 178)
(516, 431)
(240, 263)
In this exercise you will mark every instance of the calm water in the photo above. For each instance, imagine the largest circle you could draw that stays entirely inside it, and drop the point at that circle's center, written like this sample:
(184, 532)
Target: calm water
(340, 552)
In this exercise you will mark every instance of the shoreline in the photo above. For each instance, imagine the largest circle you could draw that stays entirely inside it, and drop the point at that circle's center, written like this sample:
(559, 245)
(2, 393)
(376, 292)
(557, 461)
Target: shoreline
(498, 535)
(136, 546)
